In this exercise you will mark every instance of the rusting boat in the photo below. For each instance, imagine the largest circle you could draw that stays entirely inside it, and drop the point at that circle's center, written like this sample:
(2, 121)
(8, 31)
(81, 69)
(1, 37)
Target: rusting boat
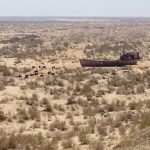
(129, 58)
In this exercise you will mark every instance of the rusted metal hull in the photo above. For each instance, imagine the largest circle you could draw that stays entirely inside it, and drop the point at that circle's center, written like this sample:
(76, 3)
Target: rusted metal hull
(106, 63)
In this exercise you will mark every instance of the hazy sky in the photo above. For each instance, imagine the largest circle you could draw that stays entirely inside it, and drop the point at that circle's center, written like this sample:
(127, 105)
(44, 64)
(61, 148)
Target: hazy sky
(75, 8)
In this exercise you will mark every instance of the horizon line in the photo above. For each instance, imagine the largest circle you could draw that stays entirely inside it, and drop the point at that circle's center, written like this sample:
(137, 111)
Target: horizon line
(81, 16)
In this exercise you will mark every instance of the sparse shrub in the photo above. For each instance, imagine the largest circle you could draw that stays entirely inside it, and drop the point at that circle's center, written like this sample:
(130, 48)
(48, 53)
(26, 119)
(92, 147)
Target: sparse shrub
(109, 120)
(59, 107)
(77, 88)
(67, 144)
(148, 83)
(89, 111)
(136, 119)
(120, 105)
(34, 97)
(44, 101)
(11, 82)
(116, 123)
(60, 83)
(54, 91)
(48, 107)
(86, 90)
(83, 103)
(60, 125)
(110, 107)
(91, 125)
(101, 130)
(92, 81)
(84, 129)
(2, 116)
(94, 103)
(17, 141)
(47, 104)
(25, 70)
(97, 145)
(121, 90)
(83, 138)
(66, 44)
(135, 106)
(71, 100)
(69, 115)
(115, 106)
(49, 145)
(5, 71)
(22, 87)
(100, 93)
(57, 137)
(12, 142)
(70, 134)
(145, 120)
(22, 115)
(122, 130)
(35, 125)
(34, 113)
(32, 85)
(117, 81)
(33, 101)
(23, 97)
(125, 116)
(148, 104)
(4, 141)
(47, 82)
(140, 89)
(5, 100)
(113, 72)
(2, 84)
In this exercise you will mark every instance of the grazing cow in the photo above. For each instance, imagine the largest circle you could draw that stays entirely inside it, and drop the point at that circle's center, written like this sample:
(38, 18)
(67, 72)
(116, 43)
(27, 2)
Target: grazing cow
(19, 76)
(41, 75)
(59, 72)
(53, 67)
(31, 74)
(48, 72)
(65, 68)
(26, 76)
(44, 67)
(35, 72)
(33, 67)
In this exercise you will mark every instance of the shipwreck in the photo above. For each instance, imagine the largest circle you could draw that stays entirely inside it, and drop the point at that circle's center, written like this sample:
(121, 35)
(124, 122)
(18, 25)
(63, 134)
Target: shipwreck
(126, 58)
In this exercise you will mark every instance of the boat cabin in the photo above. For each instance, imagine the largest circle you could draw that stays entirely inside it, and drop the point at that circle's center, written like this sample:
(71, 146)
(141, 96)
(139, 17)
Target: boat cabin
(129, 56)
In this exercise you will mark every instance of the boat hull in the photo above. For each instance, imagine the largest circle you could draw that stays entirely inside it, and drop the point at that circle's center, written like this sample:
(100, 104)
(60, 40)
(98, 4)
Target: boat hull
(106, 63)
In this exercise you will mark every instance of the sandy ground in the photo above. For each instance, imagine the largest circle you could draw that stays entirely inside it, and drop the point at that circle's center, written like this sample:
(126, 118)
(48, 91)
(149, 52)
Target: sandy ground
(94, 107)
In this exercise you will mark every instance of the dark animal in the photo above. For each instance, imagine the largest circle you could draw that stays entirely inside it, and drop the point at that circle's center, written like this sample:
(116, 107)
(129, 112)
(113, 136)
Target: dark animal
(41, 75)
(33, 67)
(44, 67)
(53, 67)
(60, 73)
(31, 74)
(65, 68)
(26, 76)
(19, 76)
(48, 72)
(35, 72)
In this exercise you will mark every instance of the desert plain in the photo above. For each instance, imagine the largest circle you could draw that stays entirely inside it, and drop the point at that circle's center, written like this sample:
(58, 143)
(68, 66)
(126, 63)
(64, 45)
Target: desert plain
(49, 102)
